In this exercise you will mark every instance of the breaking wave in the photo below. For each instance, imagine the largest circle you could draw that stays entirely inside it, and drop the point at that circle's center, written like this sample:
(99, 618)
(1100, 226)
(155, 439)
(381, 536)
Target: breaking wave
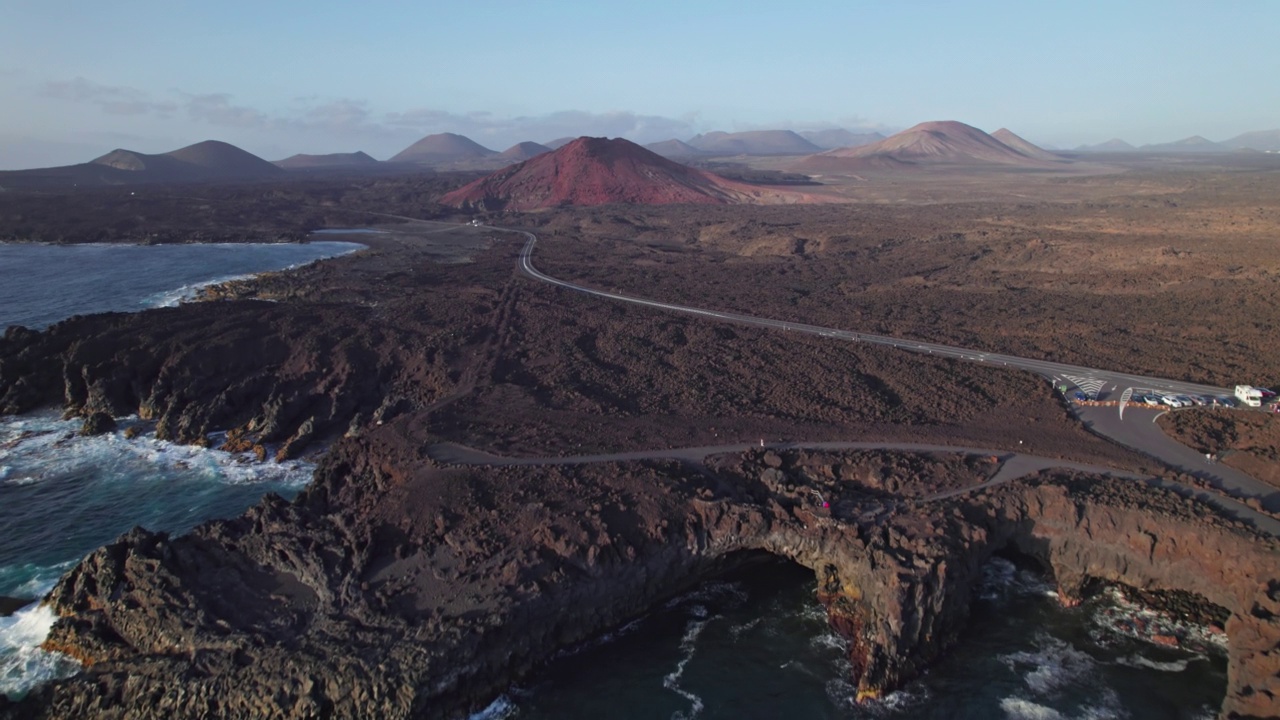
(1053, 670)
(62, 495)
(688, 645)
(500, 709)
(23, 663)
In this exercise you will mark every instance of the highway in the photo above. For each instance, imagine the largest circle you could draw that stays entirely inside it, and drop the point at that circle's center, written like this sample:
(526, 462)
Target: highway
(1137, 432)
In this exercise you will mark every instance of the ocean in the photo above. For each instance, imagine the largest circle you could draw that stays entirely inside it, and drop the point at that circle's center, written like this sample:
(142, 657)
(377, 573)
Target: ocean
(753, 644)
(47, 283)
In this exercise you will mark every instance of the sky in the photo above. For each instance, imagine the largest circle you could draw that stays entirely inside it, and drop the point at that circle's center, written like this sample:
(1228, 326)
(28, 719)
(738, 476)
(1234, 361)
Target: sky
(79, 78)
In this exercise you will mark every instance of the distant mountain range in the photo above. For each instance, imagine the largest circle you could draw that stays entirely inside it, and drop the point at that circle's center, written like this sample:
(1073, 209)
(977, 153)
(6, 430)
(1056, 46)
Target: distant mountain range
(755, 142)
(1260, 140)
(207, 161)
(817, 151)
(839, 137)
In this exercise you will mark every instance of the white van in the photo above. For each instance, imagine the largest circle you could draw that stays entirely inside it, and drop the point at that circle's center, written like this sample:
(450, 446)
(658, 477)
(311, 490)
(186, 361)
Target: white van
(1249, 395)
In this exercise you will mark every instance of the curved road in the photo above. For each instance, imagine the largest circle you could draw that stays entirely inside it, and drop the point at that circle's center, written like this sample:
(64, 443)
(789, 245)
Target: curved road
(1138, 432)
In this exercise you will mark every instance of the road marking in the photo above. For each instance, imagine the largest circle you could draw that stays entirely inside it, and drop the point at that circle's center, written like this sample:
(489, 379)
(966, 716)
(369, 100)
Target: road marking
(1091, 386)
(1124, 400)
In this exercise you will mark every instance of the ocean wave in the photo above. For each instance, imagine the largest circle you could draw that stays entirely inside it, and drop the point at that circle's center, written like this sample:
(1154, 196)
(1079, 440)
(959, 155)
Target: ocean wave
(1174, 666)
(31, 581)
(844, 694)
(188, 292)
(1052, 666)
(1002, 580)
(688, 645)
(36, 448)
(23, 663)
(500, 709)
(736, 631)
(732, 594)
(1117, 616)
(1017, 708)
(829, 640)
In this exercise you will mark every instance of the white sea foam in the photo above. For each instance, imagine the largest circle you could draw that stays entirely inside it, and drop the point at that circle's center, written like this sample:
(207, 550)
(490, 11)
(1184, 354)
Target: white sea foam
(1121, 616)
(36, 448)
(688, 644)
(737, 630)
(1016, 708)
(500, 709)
(1002, 580)
(1052, 666)
(829, 640)
(844, 694)
(23, 664)
(1139, 661)
(186, 293)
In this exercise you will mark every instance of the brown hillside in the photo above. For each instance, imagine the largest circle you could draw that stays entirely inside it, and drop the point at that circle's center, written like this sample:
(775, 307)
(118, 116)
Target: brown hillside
(674, 149)
(601, 171)
(524, 151)
(755, 142)
(932, 143)
(442, 148)
(1030, 149)
(303, 162)
(840, 138)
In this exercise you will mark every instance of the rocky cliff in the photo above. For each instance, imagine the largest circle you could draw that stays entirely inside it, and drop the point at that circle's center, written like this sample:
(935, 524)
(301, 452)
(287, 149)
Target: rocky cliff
(394, 587)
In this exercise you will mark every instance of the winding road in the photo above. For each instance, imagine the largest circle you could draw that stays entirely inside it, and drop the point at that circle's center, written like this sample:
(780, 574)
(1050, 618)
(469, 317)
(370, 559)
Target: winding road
(1138, 431)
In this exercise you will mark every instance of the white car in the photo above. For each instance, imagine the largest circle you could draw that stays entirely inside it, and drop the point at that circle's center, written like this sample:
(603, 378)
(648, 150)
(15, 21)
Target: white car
(1172, 401)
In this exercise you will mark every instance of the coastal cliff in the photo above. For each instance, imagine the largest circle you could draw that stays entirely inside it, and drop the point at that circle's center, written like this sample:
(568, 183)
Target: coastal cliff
(396, 587)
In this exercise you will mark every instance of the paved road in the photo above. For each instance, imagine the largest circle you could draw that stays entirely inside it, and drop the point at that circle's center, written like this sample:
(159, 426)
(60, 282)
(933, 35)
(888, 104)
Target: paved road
(1012, 466)
(1137, 429)
(1135, 432)
(1051, 370)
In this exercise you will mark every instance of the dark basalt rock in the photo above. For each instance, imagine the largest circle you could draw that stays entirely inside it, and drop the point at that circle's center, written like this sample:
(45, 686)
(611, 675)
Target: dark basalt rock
(393, 587)
(98, 423)
(11, 605)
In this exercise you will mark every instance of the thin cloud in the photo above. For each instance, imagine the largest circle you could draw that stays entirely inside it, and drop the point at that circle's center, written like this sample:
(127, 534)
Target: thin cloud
(111, 99)
(319, 122)
(217, 109)
(483, 126)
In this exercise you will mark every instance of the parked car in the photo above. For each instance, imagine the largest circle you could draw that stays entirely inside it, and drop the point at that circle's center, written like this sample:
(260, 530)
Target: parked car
(1172, 401)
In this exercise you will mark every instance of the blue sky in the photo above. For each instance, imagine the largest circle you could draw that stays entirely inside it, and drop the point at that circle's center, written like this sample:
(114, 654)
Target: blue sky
(81, 77)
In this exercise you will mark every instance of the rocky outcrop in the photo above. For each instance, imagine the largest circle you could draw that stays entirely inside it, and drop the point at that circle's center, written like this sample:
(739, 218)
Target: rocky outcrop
(275, 374)
(396, 588)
